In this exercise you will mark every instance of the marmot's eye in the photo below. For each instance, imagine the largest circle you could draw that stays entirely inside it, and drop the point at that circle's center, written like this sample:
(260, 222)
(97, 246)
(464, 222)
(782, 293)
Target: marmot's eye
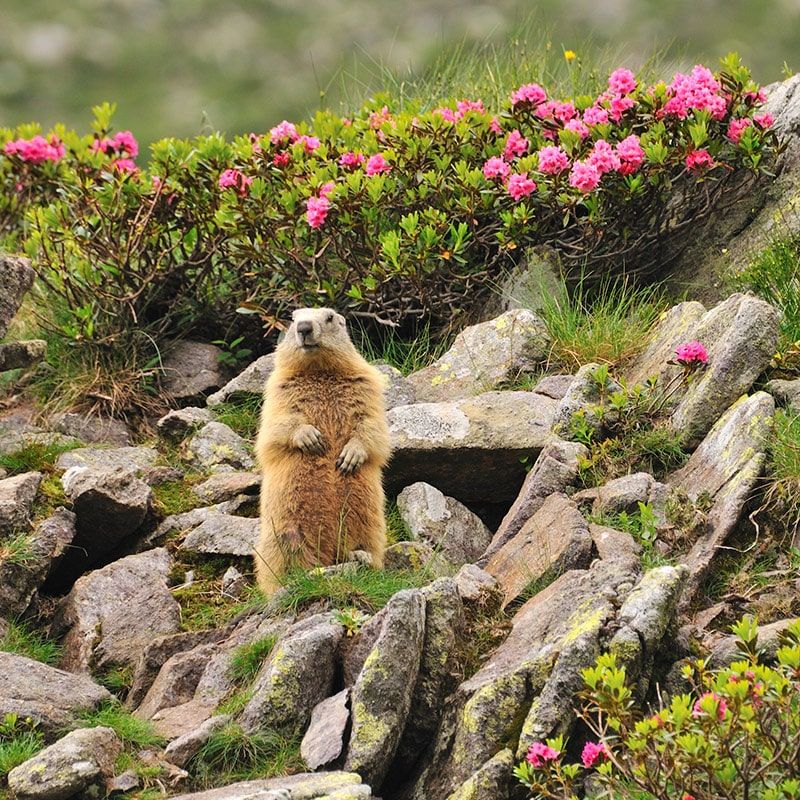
(330, 318)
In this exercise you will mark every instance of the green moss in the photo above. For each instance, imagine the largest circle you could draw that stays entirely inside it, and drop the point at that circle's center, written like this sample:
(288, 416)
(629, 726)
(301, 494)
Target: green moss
(176, 497)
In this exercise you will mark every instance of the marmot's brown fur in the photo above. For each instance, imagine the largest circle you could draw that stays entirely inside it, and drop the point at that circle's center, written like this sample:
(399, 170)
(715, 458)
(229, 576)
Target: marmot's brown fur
(322, 446)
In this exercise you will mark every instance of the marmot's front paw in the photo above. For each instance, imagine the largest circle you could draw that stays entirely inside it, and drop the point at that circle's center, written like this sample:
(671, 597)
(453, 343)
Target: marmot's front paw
(308, 439)
(353, 455)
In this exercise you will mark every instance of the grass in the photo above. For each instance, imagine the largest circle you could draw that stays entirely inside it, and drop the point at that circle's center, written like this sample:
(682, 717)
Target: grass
(641, 525)
(241, 416)
(235, 703)
(396, 528)
(230, 754)
(405, 355)
(18, 748)
(132, 731)
(246, 660)
(175, 497)
(22, 641)
(35, 456)
(782, 496)
(17, 549)
(117, 680)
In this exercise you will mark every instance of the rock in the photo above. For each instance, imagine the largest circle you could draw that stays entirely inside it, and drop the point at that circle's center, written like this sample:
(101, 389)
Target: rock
(479, 589)
(130, 460)
(82, 759)
(182, 750)
(247, 385)
(483, 357)
(555, 386)
(216, 448)
(298, 674)
(555, 470)
(325, 738)
(382, 695)
(724, 470)
(786, 393)
(620, 494)
(581, 398)
(123, 783)
(21, 355)
(177, 424)
(20, 580)
(233, 582)
(412, 556)
(555, 539)
(492, 432)
(223, 534)
(92, 429)
(399, 390)
(16, 278)
(227, 485)
(356, 650)
(303, 786)
(614, 545)
(49, 696)
(449, 527)
(113, 613)
(17, 496)
(526, 284)
(491, 781)
(191, 370)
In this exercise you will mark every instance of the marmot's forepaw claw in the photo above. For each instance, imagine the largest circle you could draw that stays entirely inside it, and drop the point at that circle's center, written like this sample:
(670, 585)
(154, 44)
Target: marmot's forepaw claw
(353, 455)
(309, 440)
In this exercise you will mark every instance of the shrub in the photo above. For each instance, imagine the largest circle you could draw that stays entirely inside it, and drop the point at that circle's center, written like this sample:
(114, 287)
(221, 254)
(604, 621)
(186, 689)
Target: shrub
(736, 735)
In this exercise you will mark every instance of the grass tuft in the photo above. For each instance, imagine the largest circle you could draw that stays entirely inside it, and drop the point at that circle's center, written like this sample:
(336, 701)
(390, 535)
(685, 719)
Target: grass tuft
(405, 355)
(242, 416)
(396, 528)
(17, 749)
(117, 680)
(782, 496)
(247, 659)
(22, 641)
(133, 732)
(35, 456)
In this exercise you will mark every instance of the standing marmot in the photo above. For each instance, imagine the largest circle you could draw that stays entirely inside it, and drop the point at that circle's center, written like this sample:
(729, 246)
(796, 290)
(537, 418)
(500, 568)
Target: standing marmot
(322, 445)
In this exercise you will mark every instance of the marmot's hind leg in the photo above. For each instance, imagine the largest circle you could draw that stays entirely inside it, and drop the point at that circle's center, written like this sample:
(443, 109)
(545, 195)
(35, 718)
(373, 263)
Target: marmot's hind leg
(275, 555)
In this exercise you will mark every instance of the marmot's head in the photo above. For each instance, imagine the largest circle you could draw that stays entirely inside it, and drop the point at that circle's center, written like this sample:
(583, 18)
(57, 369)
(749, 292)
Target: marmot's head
(316, 333)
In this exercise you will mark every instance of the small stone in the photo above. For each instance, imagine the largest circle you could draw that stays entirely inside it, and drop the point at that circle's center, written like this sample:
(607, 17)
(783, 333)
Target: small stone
(620, 494)
(21, 355)
(126, 782)
(178, 424)
(227, 485)
(411, 556)
(786, 393)
(247, 385)
(324, 741)
(216, 448)
(233, 583)
(555, 386)
(191, 370)
(92, 429)
(223, 534)
(478, 588)
(180, 751)
(614, 545)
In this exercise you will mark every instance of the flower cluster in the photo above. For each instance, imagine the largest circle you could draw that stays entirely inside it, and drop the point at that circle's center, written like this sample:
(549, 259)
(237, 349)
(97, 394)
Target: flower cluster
(540, 753)
(233, 179)
(691, 354)
(36, 150)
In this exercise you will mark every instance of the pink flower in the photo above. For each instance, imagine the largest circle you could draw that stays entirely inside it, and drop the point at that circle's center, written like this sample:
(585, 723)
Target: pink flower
(317, 209)
(576, 126)
(756, 98)
(233, 179)
(736, 127)
(126, 141)
(699, 160)
(622, 81)
(516, 145)
(529, 94)
(552, 160)
(764, 121)
(539, 753)
(283, 132)
(326, 188)
(126, 165)
(592, 753)
(691, 354)
(310, 143)
(520, 185)
(631, 154)
(584, 176)
(36, 150)
(465, 106)
(546, 110)
(281, 159)
(595, 115)
(495, 167)
(699, 90)
(564, 112)
(377, 164)
(722, 706)
(447, 114)
(377, 118)
(603, 158)
(351, 160)
(494, 126)
(619, 105)
(104, 145)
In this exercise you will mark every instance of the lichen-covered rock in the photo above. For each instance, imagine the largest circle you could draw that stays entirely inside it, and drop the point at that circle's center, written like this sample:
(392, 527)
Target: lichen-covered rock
(554, 470)
(413, 556)
(614, 545)
(180, 751)
(113, 613)
(298, 674)
(16, 278)
(484, 356)
(49, 696)
(191, 370)
(223, 534)
(724, 470)
(491, 781)
(399, 390)
(555, 539)
(448, 526)
(216, 448)
(303, 786)
(17, 495)
(227, 485)
(46, 545)
(786, 393)
(82, 759)
(620, 494)
(177, 424)
(248, 384)
(382, 694)
(581, 398)
(92, 429)
(324, 741)
(431, 442)
(131, 460)
(21, 355)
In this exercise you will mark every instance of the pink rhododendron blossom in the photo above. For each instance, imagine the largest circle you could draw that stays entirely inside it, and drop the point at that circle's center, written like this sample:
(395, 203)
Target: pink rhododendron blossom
(603, 158)
(516, 145)
(281, 159)
(699, 90)
(233, 179)
(622, 81)
(310, 143)
(756, 98)
(546, 110)
(347, 122)
(36, 150)
(736, 127)
(377, 164)
(326, 188)
(722, 706)
(494, 126)
(691, 354)
(539, 754)
(631, 154)
(592, 753)
(447, 114)
(584, 176)
(465, 106)
(351, 159)
(377, 118)
(126, 141)
(765, 120)
(529, 94)
(125, 165)
(576, 126)
(283, 132)
(699, 160)
(552, 160)
(595, 115)
(619, 105)
(564, 112)
(495, 167)
(520, 185)
(317, 209)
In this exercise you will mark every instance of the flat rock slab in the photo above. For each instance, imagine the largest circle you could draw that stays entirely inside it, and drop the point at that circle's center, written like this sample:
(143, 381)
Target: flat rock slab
(216, 448)
(113, 613)
(227, 485)
(483, 357)
(180, 422)
(92, 429)
(248, 384)
(51, 697)
(304, 786)
(472, 449)
(128, 459)
(325, 741)
(223, 534)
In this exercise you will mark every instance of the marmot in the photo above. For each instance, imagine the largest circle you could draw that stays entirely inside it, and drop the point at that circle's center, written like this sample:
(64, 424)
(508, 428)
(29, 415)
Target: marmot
(322, 445)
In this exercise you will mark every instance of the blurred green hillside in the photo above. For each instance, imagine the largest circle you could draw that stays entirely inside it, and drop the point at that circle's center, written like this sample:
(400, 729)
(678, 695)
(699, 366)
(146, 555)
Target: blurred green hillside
(178, 67)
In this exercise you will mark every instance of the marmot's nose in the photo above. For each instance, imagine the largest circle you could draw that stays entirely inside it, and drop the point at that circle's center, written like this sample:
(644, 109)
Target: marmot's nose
(304, 328)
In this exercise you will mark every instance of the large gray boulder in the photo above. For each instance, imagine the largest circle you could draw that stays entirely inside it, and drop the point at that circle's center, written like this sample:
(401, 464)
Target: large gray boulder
(223, 534)
(17, 496)
(490, 781)
(483, 357)
(191, 370)
(493, 433)
(51, 697)
(78, 765)
(216, 448)
(16, 278)
(247, 385)
(113, 613)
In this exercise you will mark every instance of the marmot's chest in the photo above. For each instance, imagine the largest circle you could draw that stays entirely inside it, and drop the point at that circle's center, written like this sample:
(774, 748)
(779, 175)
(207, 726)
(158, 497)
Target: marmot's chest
(332, 403)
